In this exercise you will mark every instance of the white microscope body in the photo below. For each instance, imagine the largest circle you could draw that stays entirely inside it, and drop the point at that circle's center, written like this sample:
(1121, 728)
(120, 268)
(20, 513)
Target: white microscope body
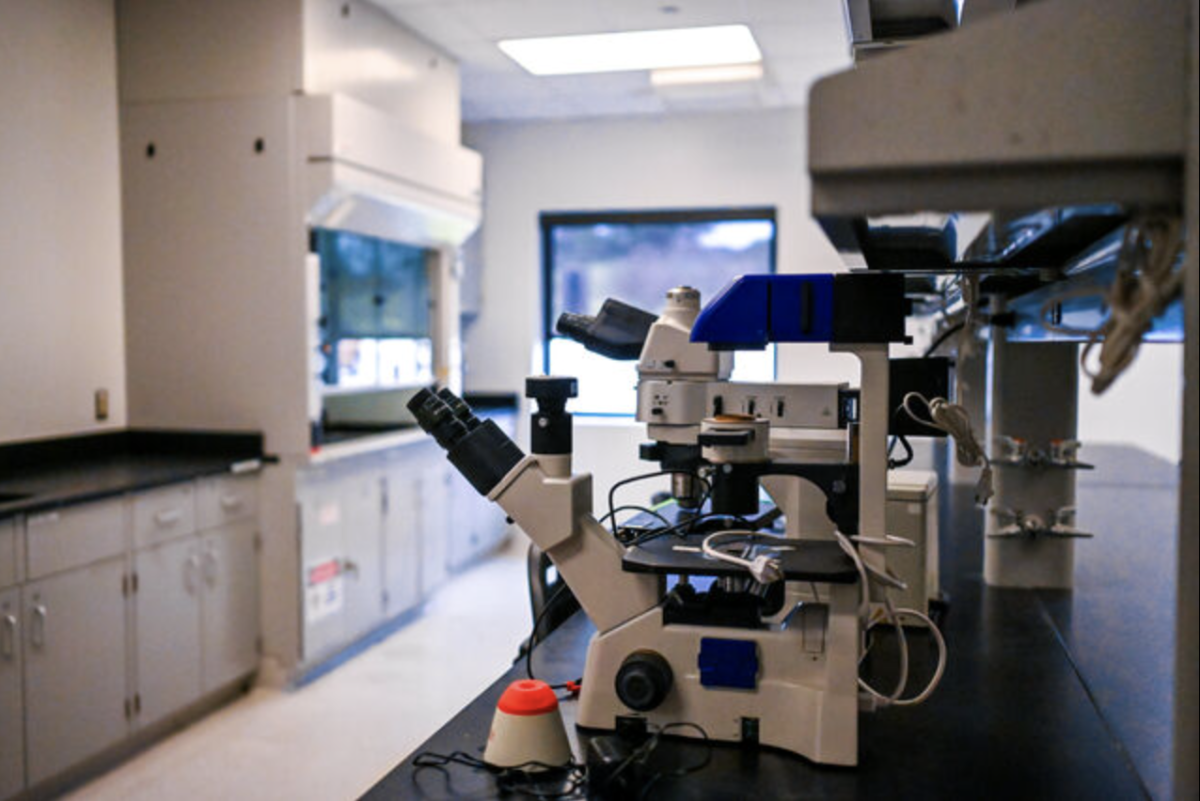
(774, 662)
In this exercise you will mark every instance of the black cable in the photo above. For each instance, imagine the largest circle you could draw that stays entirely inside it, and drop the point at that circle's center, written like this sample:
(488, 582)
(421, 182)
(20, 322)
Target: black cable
(685, 769)
(942, 337)
(642, 754)
(537, 623)
(688, 524)
(908, 452)
(632, 479)
(520, 779)
(634, 507)
(524, 779)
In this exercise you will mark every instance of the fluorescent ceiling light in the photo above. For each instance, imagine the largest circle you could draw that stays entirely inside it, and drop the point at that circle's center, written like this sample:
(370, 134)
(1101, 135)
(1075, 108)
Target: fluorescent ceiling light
(634, 50)
(683, 76)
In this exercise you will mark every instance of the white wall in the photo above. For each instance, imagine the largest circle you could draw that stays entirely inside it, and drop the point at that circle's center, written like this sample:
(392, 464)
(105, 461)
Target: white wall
(1142, 407)
(685, 161)
(61, 330)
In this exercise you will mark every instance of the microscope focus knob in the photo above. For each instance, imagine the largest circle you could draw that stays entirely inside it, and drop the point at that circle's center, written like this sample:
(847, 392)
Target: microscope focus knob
(643, 680)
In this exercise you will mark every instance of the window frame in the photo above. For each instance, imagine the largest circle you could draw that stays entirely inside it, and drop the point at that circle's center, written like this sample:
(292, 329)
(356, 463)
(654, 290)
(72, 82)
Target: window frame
(548, 221)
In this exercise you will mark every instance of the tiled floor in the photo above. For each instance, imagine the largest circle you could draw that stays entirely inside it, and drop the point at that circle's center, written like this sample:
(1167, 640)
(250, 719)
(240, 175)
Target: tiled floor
(333, 738)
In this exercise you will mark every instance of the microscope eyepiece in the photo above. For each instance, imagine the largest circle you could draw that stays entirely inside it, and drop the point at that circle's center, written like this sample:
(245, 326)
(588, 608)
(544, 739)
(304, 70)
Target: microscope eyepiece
(479, 449)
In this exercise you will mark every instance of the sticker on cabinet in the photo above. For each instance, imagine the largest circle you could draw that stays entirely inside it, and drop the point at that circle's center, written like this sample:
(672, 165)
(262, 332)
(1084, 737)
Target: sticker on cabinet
(324, 592)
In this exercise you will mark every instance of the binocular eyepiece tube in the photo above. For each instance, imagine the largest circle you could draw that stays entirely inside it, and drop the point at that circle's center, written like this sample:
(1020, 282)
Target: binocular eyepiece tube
(478, 449)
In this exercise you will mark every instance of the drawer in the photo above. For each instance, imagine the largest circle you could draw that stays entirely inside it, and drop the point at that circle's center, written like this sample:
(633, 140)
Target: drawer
(164, 514)
(74, 536)
(8, 552)
(224, 499)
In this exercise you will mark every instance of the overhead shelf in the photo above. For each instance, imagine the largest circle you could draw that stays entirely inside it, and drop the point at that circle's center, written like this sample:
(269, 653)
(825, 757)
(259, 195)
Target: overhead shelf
(1056, 104)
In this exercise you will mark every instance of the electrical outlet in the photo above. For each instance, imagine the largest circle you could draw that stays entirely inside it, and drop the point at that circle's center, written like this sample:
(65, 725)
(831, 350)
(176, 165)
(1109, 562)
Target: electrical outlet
(101, 404)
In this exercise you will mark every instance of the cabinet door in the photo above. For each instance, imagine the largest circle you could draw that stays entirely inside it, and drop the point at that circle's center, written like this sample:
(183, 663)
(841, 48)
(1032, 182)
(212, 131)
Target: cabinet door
(434, 531)
(75, 693)
(321, 578)
(401, 528)
(167, 645)
(229, 607)
(12, 740)
(362, 538)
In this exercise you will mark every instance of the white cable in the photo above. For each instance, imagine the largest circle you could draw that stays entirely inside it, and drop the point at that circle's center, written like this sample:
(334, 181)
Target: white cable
(954, 420)
(1145, 284)
(895, 699)
(943, 655)
(886, 541)
(765, 569)
(864, 605)
(902, 679)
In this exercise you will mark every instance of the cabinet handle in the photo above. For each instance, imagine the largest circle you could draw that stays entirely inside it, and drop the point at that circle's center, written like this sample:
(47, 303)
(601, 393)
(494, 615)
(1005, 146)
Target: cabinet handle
(8, 647)
(37, 627)
(190, 568)
(210, 566)
(168, 517)
(231, 502)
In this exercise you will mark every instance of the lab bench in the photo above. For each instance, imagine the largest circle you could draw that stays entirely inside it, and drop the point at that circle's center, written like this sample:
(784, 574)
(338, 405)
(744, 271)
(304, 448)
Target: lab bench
(128, 593)
(1047, 694)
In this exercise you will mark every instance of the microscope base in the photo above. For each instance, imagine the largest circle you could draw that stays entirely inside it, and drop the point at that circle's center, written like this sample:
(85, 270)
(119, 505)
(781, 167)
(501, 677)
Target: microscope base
(804, 694)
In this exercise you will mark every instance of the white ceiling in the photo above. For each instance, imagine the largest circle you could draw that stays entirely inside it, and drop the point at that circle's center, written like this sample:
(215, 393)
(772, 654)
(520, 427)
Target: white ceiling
(801, 40)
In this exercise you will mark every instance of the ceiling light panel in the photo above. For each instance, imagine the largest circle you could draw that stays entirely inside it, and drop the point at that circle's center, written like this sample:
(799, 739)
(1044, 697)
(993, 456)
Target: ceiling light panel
(634, 50)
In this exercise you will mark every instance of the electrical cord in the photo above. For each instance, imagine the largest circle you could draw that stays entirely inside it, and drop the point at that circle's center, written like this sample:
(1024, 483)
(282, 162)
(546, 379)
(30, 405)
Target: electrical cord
(908, 452)
(954, 420)
(644, 476)
(765, 569)
(685, 527)
(895, 698)
(1146, 282)
(523, 779)
(530, 779)
(680, 771)
(940, 339)
(559, 592)
(630, 507)
(939, 639)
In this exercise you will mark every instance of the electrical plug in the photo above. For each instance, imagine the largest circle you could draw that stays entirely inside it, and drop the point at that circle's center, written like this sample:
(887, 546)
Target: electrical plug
(765, 569)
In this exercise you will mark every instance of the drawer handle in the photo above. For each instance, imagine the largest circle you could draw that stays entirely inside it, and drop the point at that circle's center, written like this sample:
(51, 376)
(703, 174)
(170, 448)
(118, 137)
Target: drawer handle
(190, 570)
(231, 502)
(210, 567)
(8, 647)
(37, 627)
(168, 517)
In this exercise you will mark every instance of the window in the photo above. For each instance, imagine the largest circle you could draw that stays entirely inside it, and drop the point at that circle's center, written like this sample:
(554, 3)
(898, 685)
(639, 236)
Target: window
(636, 257)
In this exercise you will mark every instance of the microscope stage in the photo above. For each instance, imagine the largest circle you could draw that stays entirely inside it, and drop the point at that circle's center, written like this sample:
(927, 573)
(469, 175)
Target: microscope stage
(801, 560)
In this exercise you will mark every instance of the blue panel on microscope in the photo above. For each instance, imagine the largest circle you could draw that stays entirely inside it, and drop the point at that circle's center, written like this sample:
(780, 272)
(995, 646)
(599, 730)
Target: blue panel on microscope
(728, 663)
(755, 310)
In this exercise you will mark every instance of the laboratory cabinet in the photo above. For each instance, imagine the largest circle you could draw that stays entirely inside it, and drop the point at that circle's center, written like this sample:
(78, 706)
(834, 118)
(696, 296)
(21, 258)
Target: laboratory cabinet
(12, 702)
(75, 678)
(402, 534)
(117, 614)
(380, 532)
(361, 495)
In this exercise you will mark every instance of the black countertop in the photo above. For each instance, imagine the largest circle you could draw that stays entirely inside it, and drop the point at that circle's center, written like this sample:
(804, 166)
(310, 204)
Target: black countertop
(1047, 694)
(48, 474)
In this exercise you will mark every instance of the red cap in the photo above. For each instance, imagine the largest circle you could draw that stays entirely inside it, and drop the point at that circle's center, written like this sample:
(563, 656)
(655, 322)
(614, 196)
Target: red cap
(528, 697)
